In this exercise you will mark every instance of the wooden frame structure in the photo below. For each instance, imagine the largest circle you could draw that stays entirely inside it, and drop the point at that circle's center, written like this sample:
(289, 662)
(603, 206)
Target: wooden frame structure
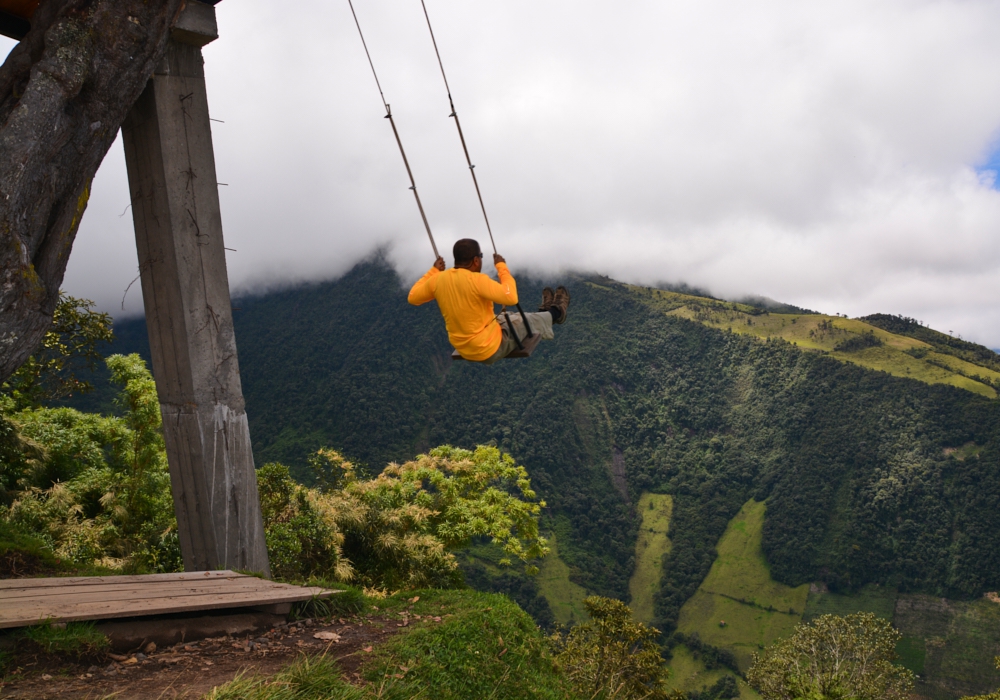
(185, 287)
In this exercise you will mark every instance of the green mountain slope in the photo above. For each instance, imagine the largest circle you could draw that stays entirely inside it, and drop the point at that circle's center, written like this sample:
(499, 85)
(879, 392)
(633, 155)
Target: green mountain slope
(868, 477)
(893, 344)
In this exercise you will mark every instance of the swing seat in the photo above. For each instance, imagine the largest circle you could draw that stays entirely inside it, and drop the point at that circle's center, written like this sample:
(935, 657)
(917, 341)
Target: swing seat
(528, 346)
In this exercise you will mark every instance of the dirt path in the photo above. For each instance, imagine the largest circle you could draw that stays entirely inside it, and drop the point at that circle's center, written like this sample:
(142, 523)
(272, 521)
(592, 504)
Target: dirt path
(190, 670)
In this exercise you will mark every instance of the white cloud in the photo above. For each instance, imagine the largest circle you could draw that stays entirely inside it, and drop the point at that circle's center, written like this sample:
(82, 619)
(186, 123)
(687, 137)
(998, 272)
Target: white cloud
(822, 154)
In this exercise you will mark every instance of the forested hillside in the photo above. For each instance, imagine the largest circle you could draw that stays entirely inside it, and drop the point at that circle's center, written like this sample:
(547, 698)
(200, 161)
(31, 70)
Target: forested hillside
(868, 477)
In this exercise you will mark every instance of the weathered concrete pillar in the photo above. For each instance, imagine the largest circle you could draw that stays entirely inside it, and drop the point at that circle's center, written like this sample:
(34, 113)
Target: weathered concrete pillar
(185, 289)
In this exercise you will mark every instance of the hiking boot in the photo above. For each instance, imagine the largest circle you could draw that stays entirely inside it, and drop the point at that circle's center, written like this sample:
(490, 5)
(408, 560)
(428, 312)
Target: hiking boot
(547, 299)
(561, 301)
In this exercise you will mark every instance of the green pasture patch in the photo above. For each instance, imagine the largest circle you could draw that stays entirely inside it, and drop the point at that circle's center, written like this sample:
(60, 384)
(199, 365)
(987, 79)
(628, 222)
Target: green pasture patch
(960, 640)
(651, 545)
(748, 629)
(969, 449)
(925, 369)
(964, 367)
(740, 571)
(899, 355)
(739, 606)
(688, 674)
(912, 653)
(565, 597)
(879, 600)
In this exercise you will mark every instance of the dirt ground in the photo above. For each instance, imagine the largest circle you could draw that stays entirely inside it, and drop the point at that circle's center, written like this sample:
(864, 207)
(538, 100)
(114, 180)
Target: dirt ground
(189, 670)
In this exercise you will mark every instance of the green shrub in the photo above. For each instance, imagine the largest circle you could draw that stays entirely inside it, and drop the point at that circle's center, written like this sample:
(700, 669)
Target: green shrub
(487, 647)
(95, 489)
(397, 530)
(300, 541)
(611, 655)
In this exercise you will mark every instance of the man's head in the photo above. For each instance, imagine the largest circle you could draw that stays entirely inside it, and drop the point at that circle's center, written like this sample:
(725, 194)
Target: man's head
(468, 255)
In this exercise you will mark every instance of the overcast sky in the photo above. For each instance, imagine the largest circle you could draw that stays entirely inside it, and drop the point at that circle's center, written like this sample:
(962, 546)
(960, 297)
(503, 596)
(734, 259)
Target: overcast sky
(837, 155)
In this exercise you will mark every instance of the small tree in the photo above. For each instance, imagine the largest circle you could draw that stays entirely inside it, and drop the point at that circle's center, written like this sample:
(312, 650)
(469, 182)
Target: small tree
(833, 658)
(612, 657)
(71, 344)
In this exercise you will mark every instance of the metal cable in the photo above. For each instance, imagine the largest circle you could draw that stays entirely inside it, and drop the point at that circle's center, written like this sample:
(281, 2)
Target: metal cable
(461, 136)
(395, 132)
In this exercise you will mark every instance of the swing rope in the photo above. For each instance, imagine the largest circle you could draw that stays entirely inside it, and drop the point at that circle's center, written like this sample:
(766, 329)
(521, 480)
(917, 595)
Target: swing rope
(399, 142)
(472, 171)
(468, 160)
(461, 136)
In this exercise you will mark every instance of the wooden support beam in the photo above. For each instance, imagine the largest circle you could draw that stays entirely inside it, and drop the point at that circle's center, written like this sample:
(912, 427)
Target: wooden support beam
(185, 289)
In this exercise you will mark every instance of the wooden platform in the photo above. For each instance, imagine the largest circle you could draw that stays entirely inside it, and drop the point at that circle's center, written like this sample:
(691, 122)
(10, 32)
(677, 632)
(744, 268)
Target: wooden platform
(28, 601)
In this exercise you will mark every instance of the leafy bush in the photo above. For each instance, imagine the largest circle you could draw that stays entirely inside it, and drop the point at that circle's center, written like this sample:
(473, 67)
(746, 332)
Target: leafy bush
(300, 542)
(833, 657)
(711, 657)
(725, 688)
(611, 656)
(398, 529)
(95, 488)
(859, 342)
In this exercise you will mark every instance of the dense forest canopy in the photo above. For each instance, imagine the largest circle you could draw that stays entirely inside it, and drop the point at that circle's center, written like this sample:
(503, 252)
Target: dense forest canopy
(869, 478)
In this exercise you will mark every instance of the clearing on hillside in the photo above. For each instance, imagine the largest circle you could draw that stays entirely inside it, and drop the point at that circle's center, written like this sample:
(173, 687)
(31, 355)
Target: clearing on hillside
(845, 339)
(565, 597)
(651, 545)
(688, 674)
(950, 644)
(738, 606)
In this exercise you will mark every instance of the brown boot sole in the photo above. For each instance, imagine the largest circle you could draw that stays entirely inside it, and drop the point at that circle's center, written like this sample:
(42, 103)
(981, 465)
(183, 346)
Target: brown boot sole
(561, 302)
(548, 297)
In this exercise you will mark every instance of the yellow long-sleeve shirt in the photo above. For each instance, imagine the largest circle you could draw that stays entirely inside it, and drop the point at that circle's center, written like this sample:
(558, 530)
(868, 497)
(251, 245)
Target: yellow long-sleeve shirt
(466, 301)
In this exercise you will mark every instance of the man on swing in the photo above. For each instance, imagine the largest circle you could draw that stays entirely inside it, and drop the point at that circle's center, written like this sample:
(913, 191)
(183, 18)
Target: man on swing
(466, 297)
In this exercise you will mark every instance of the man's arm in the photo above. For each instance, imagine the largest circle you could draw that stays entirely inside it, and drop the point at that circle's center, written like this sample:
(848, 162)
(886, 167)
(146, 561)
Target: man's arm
(423, 291)
(502, 292)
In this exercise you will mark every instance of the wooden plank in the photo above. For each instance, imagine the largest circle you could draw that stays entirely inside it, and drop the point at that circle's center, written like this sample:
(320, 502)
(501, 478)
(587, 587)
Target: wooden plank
(266, 597)
(107, 610)
(60, 597)
(151, 589)
(98, 580)
(99, 610)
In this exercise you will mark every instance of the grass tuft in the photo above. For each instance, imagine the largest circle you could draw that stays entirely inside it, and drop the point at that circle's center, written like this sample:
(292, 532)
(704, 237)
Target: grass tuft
(308, 678)
(79, 639)
(485, 647)
(349, 601)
